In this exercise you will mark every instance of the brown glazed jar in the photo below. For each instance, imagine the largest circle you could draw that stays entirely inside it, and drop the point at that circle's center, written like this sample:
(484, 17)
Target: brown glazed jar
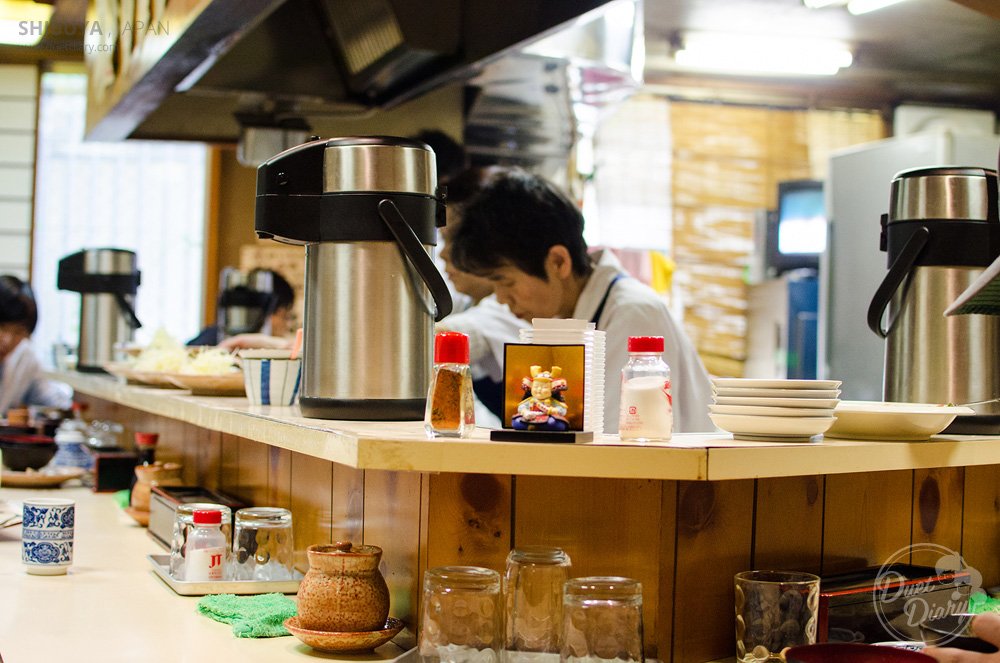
(158, 473)
(343, 590)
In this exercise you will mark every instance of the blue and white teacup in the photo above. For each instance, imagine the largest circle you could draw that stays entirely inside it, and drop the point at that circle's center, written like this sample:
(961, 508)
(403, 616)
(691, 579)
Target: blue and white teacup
(47, 535)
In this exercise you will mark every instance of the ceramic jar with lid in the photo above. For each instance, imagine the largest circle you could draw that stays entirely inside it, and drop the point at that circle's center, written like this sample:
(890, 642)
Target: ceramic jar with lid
(159, 473)
(343, 590)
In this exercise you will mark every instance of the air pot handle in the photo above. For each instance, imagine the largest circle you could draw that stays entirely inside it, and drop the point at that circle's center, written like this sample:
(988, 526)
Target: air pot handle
(901, 266)
(414, 250)
(127, 311)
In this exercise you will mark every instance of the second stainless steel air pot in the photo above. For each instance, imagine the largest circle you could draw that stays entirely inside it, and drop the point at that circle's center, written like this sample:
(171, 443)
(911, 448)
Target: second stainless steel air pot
(942, 230)
(108, 280)
(366, 209)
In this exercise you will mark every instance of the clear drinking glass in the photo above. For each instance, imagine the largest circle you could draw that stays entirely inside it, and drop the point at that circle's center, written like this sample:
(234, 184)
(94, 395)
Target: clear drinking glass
(533, 587)
(774, 610)
(184, 523)
(602, 620)
(461, 617)
(262, 544)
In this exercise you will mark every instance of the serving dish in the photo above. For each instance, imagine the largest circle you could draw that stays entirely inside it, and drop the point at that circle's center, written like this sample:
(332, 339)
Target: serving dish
(229, 384)
(892, 422)
(746, 427)
(763, 411)
(161, 566)
(154, 379)
(777, 393)
(778, 402)
(122, 370)
(335, 642)
(48, 477)
(751, 383)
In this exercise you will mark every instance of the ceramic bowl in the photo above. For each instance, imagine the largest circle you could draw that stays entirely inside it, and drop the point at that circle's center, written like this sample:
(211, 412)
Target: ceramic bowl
(271, 377)
(954, 631)
(24, 452)
(333, 641)
(840, 652)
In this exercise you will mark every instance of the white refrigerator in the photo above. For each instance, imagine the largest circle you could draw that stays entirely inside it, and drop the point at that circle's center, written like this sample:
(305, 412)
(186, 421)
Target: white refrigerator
(851, 269)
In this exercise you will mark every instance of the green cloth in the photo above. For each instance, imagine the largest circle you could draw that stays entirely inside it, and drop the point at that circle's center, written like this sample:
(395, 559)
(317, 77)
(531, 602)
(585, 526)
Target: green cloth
(122, 497)
(982, 602)
(259, 616)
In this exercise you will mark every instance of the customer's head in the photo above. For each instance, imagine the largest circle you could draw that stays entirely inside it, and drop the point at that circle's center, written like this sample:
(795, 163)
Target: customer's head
(461, 188)
(18, 313)
(282, 301)
(526, 236)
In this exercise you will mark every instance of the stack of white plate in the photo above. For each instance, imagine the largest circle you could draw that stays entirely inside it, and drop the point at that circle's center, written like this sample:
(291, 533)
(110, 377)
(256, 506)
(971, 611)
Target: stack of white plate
(774, 409)
(551, 331)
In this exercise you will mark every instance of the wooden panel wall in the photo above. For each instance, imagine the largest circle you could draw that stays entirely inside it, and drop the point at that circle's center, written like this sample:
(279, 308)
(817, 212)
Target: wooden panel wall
(683, 541)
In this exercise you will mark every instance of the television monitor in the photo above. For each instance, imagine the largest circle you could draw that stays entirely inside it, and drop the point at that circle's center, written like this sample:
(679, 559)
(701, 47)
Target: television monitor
(797, 232)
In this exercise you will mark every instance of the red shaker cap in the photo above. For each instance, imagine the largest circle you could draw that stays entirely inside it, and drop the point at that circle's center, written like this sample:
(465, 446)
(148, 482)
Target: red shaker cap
(146, 439)
(645, 344)
(451, 348)
(207, 517)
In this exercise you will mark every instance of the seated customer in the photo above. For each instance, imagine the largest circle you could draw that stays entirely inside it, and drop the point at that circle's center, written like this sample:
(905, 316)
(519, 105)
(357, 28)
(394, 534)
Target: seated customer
(527, 237)
(487, 323)
(21, 381)
(279, 316)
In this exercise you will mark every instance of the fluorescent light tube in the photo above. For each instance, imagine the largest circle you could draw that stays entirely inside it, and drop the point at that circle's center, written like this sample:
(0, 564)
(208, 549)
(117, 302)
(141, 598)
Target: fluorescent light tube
(819, 4)
(762, 55)
(22, 23)
(864, 6)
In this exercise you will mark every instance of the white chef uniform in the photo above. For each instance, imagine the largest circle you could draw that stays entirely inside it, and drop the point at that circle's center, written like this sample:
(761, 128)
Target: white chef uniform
(632, 308)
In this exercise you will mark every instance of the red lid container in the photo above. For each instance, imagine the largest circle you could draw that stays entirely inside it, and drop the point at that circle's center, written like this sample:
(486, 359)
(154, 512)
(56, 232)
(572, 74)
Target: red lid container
(207, 517)
(146, 439)
(451, 348)
(645, 344)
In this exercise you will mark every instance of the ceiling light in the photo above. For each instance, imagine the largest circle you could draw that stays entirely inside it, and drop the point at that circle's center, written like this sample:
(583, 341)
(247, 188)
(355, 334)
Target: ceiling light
(864, 6)
(762, 55)
(22, 22)
(819, 4)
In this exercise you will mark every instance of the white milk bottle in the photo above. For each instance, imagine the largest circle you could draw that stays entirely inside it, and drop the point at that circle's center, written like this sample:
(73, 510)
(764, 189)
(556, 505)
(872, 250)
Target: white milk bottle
(647, 411)
(206, 548)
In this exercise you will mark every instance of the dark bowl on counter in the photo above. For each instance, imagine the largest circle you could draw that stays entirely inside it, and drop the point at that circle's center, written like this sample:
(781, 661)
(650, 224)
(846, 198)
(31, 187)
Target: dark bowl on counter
(954, 631)
(843, 652)
(24, 452)
(7, 431)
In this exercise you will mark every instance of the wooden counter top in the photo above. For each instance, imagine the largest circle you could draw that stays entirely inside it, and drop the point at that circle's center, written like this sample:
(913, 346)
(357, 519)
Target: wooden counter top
(404, 445)
(111, 607)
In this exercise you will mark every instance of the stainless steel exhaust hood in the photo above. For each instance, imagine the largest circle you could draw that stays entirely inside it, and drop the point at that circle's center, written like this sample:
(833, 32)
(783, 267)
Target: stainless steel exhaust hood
(226, 65)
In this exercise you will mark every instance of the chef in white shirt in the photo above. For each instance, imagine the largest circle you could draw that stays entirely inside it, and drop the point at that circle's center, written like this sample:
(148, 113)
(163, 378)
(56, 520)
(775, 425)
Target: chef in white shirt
(526, 237)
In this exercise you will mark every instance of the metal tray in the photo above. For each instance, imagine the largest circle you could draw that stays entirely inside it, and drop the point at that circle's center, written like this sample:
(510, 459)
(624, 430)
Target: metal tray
(161, 565)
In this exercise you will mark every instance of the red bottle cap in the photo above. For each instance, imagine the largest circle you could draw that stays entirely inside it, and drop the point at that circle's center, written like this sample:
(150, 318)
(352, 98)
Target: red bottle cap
(645, 344)
(451, 348)
(207, 517)
(146, 439)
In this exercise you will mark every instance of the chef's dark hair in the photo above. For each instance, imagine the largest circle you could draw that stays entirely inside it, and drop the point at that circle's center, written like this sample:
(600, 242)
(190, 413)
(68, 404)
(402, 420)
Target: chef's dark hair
(17, 302)
(281, 290)
(514, 219)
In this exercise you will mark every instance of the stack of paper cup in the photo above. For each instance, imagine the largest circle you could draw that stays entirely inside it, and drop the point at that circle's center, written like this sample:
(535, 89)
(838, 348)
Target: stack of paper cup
(552, 331)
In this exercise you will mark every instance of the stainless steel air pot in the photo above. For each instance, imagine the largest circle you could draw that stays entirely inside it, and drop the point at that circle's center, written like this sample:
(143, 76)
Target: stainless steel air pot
(108, 279)
(942, 230)
(246, 301)
(366, 210)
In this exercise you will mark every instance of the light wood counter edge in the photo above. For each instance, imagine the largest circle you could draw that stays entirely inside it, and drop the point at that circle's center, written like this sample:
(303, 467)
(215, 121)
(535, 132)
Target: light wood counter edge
(403, 446)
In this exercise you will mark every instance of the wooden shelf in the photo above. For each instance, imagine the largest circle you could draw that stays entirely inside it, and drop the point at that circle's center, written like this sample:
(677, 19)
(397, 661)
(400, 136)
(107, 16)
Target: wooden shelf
(403, 446)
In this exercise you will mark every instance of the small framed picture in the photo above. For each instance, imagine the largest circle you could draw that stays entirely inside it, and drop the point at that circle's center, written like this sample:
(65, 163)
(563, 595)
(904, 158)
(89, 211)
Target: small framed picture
(543, 387)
